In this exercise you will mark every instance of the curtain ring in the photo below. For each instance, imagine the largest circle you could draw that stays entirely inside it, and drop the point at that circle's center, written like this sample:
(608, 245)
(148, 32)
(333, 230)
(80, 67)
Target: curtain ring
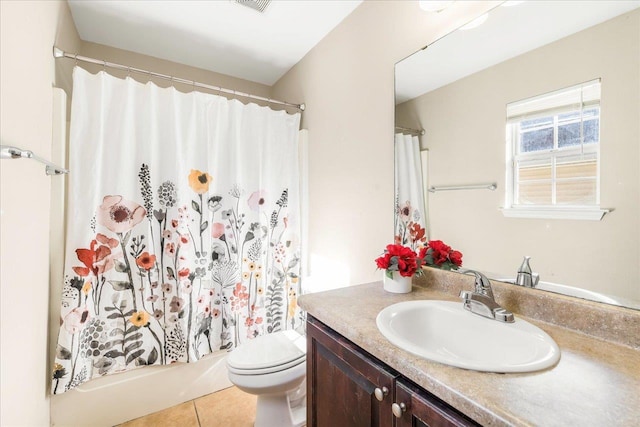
(76, 58)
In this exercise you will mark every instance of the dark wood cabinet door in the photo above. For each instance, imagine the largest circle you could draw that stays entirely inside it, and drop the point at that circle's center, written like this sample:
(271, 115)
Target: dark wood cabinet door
(342, 382)
(424, 410)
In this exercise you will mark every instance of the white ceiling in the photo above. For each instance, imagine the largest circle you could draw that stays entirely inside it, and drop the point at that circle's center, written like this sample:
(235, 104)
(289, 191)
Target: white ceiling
(219, 35)
(508, 32)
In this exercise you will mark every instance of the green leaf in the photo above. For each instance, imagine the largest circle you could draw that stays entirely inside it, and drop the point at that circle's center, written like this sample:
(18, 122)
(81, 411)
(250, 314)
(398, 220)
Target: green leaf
(204, 226)
(170, 273)
(114, 316)
(120, 285)
(294, 262)
(195, 206)
(126, 238)
(109, 308)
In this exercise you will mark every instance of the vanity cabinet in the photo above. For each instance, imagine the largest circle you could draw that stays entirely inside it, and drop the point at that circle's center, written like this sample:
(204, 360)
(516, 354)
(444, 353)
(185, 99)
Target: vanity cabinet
(344, 387)
(347, 387)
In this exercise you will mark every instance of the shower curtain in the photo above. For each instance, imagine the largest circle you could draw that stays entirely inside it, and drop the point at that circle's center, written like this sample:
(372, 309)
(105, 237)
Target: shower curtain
(182, 227)
(410, 215)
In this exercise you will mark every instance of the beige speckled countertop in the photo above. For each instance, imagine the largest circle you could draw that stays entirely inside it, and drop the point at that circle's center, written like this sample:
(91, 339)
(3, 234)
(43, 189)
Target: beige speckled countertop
(596, 382)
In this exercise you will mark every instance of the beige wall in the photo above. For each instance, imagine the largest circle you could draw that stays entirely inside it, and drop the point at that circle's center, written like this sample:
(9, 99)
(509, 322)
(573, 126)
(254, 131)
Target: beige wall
(28, 73)
(465, 123)
(347, 83)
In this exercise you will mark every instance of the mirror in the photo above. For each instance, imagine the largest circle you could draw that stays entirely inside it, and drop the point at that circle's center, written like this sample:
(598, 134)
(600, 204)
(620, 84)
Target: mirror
(457, 90)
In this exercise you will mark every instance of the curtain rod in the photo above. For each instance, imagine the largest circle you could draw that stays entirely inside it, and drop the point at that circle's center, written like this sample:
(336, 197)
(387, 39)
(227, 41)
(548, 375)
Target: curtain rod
(59, 53)
(491, 186)
(9, 152)
(416, 131)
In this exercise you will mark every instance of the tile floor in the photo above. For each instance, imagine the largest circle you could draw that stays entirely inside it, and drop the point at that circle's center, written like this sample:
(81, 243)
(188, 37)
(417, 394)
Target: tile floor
(228, 407)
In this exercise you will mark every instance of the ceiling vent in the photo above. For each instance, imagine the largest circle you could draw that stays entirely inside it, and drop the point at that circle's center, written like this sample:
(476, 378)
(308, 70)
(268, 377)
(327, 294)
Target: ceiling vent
(259, 5)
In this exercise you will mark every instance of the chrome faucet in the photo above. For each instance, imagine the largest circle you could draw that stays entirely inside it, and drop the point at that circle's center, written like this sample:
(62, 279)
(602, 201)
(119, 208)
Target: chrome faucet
(525, 276)
(481, 300)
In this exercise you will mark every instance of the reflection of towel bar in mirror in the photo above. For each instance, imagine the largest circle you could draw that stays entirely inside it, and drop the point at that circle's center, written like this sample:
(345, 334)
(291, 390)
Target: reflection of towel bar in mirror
(420, 132)
(492, 186)
(9, 152)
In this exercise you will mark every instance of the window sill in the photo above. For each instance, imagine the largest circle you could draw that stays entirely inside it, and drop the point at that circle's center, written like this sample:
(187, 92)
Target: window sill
(591, 214)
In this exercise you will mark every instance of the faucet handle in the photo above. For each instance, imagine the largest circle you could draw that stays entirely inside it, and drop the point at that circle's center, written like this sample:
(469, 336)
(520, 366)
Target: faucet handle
(526, 277)
(503, 315)
(525, 267)
(482, 285)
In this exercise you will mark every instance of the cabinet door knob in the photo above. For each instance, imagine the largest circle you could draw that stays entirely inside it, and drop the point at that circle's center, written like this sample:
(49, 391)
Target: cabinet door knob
(380, 393)
(398, 409)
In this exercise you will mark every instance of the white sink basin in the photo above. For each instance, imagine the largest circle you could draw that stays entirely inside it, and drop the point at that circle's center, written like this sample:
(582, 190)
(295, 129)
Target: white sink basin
(443, 331)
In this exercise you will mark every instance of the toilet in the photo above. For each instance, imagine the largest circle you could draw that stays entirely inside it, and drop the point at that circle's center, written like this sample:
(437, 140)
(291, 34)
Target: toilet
(273, 368)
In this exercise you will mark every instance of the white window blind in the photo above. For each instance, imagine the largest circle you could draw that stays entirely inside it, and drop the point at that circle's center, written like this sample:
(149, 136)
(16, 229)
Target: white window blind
(553, 150)
(569, 99)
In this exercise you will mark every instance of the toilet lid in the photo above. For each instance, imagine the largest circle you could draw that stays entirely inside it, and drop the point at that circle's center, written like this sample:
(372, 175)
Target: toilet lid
(267, 351)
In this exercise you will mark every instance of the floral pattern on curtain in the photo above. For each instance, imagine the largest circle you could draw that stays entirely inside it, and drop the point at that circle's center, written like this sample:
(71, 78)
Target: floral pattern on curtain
(169, 264)
(409, 215)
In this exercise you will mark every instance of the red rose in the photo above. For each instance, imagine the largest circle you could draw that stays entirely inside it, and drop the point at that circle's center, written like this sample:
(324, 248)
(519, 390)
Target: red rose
(398, 258)
(405, 259)
(438, 245)
(456, 257)
(383, 261)
(439, 251)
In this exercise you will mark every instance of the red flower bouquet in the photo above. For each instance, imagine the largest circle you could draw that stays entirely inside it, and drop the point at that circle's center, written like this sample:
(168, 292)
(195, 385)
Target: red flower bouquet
(399, 258)
(438, 254)
(407, 263)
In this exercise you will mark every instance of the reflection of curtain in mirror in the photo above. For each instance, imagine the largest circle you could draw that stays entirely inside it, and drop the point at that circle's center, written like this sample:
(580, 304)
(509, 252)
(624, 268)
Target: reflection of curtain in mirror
(410, 215)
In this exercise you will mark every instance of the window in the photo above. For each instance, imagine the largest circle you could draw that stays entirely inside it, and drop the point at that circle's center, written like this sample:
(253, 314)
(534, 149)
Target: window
(553, 148)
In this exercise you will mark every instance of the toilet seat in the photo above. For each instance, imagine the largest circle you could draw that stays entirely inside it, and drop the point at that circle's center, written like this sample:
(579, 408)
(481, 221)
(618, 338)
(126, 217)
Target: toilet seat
(268, 354)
